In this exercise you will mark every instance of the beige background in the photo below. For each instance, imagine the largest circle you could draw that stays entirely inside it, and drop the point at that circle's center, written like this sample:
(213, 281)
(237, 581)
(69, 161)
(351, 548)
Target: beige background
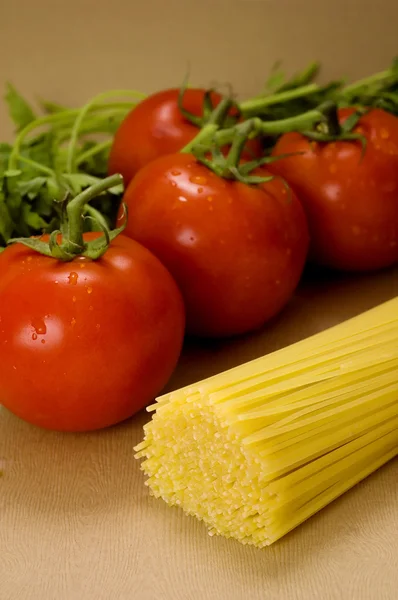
(76, 522)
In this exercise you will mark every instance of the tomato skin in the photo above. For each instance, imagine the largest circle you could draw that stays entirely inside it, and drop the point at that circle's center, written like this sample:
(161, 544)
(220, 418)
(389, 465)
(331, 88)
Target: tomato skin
(86, 344)
(237, 252)
(156, 127)
(351, 204)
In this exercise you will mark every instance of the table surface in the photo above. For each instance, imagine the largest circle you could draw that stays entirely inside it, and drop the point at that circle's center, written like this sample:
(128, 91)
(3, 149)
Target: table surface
(76, 521)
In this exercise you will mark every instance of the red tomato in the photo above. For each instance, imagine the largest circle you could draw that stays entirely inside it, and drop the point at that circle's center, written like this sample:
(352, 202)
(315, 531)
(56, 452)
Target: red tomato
(156, 127)
(351, 203)
(236, 251)
(86, 344)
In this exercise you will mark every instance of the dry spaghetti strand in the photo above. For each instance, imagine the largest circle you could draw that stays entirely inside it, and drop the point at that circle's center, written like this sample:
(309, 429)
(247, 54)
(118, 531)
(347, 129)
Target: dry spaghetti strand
(260, 448)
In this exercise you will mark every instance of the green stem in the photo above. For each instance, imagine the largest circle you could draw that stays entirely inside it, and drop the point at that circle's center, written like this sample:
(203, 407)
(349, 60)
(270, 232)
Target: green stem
(94, 125)
(93, 151)
(331, 119)
(207, 133)
(39, 167)
(303, 78)
(301, 122)
(258, 104)
(242, 131)
(97, 217)
(74, 243)
(80, 117)
(64, 118)
(298, 123)
(221, 111)
(356, 86)
(15, 152)
(205, 136)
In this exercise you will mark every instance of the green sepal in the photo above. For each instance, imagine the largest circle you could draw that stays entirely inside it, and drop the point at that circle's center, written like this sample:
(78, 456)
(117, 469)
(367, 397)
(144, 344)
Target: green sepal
(33, 244)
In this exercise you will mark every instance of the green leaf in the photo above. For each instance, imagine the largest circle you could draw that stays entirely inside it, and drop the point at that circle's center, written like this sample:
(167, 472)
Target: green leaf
(51, 107)
(19, 109)
(32, 187)
(13, 194)
(44, 204)
(41, 150)
(6, 222)
(79, 181)
(13, 173)
(275, 79)
(53, 189)
(32, 243)
(5, 151)
(32, 219)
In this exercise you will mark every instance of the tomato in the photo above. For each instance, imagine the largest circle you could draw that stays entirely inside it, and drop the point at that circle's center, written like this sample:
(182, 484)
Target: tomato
(156, 127)
(236, 251)
(87, 343)
(351, 202)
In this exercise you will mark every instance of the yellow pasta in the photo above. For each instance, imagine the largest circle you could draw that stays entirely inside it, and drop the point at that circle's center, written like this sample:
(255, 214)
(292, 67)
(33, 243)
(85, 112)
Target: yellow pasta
(260, 448)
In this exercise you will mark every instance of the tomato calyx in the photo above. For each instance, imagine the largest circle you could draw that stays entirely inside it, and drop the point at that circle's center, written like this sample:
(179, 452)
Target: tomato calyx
(219, 114)
(321, 124)
(231, 166)
(331, 130)
(72, 242)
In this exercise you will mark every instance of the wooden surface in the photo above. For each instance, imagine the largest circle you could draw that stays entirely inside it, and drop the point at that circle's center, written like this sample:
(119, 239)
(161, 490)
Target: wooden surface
(77, 523)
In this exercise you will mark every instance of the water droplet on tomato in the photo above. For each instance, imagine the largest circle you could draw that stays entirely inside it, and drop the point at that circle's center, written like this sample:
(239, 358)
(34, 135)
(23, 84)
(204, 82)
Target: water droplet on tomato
(211, 208)
(43, 341)
(73, 321)
(56, 281)
(182, 199)
(89, 290)
(384, 134)
(74, 299)
(209, 198)
(39, 326)
(199, 179)
(34, 336)
(91, 308)
(97, 326)
(200, 190)
(82, 265)
(175, 172)
(73, 277)
(173, 183)
(29, 258)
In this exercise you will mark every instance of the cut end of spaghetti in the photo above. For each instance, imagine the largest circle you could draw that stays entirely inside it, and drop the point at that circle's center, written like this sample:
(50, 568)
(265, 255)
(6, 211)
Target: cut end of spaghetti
(256, 450)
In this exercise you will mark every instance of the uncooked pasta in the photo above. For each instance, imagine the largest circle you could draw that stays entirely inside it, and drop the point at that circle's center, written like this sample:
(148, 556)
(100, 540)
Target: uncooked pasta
(258, 449)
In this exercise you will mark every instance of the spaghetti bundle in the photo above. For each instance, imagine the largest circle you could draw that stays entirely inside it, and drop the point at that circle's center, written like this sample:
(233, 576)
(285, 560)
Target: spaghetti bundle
(260, 448)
